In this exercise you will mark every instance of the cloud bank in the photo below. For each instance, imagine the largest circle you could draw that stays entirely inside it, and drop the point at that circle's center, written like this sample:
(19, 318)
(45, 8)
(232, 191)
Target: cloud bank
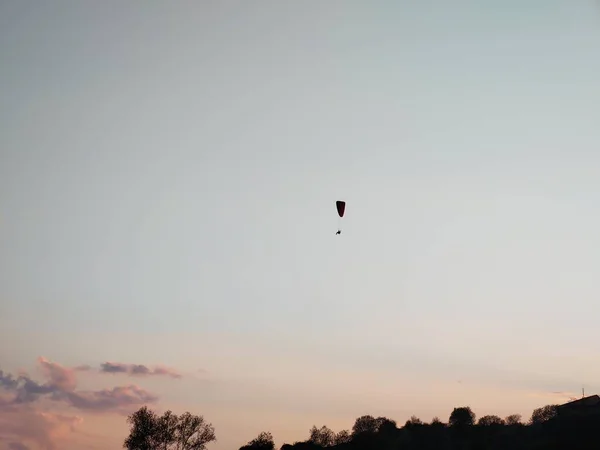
(28, 407)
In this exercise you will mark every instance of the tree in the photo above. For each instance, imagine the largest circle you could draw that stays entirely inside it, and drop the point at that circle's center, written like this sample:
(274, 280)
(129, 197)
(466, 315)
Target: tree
(343, 437)
(461, 417)
(364, 424)
(488, 421)
(264, 441)
(413, 421)
(323, 436)
(543, 414)
(143, 433)
(513, 419)
(436, 423)
(385, 426)
(148, 431)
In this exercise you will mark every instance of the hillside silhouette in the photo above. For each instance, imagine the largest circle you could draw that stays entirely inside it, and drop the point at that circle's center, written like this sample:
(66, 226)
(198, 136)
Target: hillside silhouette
(571, 426)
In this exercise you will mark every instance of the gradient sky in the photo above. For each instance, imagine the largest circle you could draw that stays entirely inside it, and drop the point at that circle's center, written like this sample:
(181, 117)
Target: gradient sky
(168, 174)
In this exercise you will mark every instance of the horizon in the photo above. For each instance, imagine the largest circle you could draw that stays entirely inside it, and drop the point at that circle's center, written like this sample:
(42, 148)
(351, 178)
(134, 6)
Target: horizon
(61, 384)
(168, 179)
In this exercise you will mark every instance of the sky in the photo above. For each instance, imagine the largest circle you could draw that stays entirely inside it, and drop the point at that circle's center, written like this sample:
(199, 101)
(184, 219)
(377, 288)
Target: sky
(168, 178)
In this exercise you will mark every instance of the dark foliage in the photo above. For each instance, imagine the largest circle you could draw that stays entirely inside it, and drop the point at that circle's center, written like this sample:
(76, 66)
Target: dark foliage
(462, 417)
(543, 414)
(149, 431)
(264, 441)
(546, 430)
(549, 428)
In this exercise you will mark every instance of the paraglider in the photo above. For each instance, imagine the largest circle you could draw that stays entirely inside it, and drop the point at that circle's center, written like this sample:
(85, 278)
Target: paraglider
(341, 208)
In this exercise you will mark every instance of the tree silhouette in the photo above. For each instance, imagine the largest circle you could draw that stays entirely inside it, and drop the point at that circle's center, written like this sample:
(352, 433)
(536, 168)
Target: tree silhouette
(488, 421)
(413, 421)
(343, 437)
(462, 417)
(435, 421)
(323, 436)
(513, 419)
(543, 414)
(364, 424)
(143, 433)
(385, 426)
(576, 429)
(264, 441)
(148, 431)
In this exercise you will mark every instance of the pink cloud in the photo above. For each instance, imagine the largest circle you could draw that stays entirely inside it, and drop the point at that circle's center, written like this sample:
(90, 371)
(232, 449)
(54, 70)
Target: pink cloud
(162, 370)
(25, 425)
(61, 386)
(25, 418)
(118, 399)
(57, 375)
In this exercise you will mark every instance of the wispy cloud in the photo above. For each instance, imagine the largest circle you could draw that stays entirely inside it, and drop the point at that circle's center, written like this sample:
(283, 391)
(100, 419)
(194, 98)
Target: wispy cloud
(138, 370)
(558, 396)
(117, 399)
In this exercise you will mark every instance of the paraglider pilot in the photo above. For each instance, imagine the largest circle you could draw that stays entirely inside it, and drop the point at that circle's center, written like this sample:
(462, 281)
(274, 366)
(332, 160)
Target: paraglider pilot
(341, 207)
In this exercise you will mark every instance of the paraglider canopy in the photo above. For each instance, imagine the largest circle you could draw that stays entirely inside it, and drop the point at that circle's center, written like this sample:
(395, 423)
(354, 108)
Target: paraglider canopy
(341, 207)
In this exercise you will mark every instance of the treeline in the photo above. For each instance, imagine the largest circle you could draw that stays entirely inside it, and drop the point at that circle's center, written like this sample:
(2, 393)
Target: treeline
(545, 430)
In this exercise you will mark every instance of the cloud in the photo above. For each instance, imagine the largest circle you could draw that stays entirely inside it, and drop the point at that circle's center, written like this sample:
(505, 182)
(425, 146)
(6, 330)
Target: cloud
(59, 381)
(555, 396)
(24, 415)
(17, 446)
(24, 404)
(109, 367)
(61, 386)
(44, 429)
(59, 377)
(25, 389)
(138, 370)
(7, 381)
(116, 399)
(161, 370)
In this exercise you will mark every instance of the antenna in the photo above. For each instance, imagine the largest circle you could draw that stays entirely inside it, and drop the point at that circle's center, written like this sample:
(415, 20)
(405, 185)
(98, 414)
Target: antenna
(582, 392)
